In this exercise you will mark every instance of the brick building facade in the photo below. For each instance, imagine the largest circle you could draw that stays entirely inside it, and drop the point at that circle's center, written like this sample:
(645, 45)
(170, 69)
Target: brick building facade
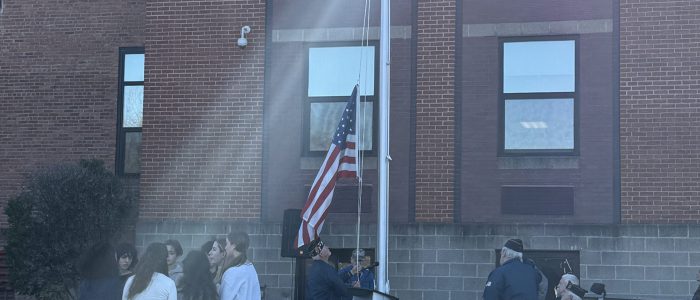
(659, 112)
(226, 131)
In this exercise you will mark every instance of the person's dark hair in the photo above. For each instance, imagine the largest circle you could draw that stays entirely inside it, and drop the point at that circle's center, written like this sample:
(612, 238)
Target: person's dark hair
(176, 245)
(128, 250)
(222, 244)
(98, 261)
(196, 283)
(241, 240)
(152, 261)
(206, 246)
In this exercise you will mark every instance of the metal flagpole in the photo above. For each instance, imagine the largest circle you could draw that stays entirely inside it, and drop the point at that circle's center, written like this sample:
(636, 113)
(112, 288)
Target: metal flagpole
(384, 158)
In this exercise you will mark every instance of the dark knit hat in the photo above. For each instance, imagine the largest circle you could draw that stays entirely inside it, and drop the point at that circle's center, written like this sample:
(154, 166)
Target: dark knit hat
(515, 245)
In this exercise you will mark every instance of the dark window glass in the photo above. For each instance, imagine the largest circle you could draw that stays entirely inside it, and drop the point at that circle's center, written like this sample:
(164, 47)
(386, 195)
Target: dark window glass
(132, 153)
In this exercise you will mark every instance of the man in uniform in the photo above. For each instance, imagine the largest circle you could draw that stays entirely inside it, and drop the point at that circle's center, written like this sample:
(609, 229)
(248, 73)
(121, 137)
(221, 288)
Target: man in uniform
(357, 274)
(513, 280)
(322, 281)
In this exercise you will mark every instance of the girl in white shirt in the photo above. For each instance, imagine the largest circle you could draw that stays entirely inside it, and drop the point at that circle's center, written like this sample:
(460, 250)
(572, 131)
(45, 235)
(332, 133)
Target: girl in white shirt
(240, 280)
(149, 281)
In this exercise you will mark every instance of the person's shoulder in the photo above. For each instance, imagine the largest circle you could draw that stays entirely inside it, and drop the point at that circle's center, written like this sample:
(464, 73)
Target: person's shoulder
(318, 264)
(497, 271)
(230, 270)
(162, 278)
(510, 264)
(516, 264)
(249, 267)
(233, 270)
(128, 280)
(529, 261)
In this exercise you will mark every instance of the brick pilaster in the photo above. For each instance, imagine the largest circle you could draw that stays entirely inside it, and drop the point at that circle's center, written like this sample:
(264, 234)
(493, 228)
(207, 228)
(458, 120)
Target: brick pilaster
(659, 111)
(435, 114)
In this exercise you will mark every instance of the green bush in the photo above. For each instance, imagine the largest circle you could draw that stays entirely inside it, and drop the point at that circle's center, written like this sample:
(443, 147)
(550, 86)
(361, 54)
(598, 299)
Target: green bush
(61, 211)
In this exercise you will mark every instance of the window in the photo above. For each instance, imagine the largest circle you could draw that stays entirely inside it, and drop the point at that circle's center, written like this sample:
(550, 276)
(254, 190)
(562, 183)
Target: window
(332, 74)
(130, 111)
(538, 98)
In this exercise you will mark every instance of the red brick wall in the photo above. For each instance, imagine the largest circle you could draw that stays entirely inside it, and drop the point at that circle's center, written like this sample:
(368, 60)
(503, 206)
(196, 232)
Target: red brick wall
(58, 82)
(435, 111)
(660, 111)
(202, 129)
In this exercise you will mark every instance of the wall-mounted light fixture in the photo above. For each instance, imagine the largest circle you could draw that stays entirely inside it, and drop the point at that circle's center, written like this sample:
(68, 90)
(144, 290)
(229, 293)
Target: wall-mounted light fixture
(242, 41)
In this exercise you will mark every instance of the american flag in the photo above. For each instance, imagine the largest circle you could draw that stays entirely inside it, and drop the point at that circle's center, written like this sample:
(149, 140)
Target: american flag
(339, 162)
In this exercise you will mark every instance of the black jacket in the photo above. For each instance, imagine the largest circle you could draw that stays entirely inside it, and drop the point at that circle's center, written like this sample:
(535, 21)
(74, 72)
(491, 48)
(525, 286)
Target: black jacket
(323, 282)
(514, 280)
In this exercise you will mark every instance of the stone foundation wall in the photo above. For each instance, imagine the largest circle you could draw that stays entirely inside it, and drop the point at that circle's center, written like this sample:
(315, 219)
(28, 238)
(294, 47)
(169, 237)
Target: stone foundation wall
(446, 261)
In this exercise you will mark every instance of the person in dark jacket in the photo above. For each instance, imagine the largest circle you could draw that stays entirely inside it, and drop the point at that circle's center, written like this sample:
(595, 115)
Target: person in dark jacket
(196, 282)
(323, 282)
(350, 276)
(99, 273)
(543, 285)
(513, 280)
(127, 260)
(696, 296)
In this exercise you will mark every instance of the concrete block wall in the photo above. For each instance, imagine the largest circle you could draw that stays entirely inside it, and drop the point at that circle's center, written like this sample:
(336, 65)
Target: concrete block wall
(444, 261)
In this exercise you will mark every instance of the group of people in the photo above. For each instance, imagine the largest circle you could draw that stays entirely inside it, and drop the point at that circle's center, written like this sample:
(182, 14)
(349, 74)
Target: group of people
(220, 270)
(519, 278)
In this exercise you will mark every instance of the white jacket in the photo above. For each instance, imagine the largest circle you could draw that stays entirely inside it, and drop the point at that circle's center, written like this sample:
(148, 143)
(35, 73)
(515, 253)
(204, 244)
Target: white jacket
(240, 283)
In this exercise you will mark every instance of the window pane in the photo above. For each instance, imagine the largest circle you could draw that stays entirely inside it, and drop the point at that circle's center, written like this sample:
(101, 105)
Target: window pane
(324, 120)
(537, 67)
(539, 124)
(333, 71)
(133, 67)
(133, 106)
(132, 152)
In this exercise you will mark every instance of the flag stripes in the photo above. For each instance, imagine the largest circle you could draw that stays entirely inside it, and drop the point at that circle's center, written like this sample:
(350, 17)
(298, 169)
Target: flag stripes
(340, 162)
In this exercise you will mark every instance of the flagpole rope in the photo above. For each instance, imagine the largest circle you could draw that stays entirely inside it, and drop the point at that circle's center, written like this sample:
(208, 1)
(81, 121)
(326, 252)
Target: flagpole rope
(361, 120)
